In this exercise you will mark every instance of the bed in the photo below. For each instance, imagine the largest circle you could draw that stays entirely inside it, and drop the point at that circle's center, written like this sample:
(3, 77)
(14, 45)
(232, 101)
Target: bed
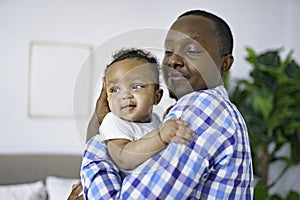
(38, 176)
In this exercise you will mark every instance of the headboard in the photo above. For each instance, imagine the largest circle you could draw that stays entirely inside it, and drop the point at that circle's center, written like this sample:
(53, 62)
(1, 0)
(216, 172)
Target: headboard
(28, 168)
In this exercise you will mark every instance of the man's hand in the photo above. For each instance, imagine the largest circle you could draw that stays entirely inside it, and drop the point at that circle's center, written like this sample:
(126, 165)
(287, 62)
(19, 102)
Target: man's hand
(100, 112)
(76, 193)
(175, 130)
(102, 107)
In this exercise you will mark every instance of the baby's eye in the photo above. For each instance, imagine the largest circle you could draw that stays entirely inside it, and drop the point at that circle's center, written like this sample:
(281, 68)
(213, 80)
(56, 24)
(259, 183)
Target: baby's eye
(114, 89)
(137, 86)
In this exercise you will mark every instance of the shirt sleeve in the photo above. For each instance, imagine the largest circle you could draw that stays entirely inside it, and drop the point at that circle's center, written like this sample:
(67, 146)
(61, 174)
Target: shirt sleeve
(99, 176)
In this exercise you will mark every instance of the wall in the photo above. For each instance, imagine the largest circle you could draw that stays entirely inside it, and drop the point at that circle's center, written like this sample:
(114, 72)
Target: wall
(259, 24)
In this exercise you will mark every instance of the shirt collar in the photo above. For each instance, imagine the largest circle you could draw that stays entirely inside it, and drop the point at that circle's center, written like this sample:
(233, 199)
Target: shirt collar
(219, 90)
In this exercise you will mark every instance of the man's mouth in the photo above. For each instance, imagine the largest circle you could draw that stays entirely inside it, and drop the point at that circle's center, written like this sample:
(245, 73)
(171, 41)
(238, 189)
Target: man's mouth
(177, 76)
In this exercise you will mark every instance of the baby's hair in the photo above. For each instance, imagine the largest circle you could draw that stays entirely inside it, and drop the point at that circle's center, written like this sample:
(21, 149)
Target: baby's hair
(134, 53)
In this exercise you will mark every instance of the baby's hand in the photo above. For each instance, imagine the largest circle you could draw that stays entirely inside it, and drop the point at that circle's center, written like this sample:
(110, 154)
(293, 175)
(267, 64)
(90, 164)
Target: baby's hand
(175, 130)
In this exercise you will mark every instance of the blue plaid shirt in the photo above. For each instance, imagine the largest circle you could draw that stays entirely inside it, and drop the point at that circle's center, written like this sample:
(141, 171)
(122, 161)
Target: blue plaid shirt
(215, 165)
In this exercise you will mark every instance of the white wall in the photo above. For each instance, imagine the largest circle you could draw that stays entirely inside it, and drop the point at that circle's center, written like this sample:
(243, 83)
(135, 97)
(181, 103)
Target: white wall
(260, 24)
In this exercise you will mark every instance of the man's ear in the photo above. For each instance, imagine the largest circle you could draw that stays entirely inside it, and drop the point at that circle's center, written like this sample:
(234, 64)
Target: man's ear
(158, 96)
(227, 63)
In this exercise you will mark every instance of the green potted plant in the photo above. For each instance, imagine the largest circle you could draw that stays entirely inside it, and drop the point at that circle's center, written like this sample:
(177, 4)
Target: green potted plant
(270, 103)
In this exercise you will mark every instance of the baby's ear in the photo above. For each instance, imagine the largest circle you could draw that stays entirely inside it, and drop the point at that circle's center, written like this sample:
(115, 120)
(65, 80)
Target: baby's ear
(158, 96)
(103, 82)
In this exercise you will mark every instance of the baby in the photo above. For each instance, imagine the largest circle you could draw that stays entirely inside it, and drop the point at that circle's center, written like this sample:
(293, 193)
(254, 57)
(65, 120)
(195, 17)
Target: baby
(131, 131)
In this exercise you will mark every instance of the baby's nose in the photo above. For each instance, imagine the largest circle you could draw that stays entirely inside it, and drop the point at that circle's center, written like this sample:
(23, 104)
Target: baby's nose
(127, 95)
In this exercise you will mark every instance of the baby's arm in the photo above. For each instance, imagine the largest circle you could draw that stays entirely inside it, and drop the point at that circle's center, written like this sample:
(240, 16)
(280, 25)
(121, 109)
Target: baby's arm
(129, 154)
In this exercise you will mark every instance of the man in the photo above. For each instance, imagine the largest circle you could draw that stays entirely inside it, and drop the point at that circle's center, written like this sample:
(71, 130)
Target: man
(217, 163)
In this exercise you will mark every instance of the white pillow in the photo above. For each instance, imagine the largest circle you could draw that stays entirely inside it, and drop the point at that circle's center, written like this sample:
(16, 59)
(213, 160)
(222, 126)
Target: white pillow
(59, 188)
(26, 191)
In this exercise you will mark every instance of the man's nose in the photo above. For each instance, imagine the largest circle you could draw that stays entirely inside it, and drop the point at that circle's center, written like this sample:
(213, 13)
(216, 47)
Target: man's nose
(176, 61)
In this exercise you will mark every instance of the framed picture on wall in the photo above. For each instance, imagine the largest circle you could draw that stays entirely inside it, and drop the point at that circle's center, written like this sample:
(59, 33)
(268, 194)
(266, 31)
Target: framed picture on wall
(52, 74)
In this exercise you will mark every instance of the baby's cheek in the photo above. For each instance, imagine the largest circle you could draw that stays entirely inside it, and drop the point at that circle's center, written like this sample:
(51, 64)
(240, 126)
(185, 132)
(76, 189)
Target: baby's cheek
(110, 103)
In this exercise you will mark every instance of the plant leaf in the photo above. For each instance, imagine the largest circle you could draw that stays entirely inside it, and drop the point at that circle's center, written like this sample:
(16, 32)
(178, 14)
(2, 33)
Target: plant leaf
(293, 195)
(261, 192)
(263, 102)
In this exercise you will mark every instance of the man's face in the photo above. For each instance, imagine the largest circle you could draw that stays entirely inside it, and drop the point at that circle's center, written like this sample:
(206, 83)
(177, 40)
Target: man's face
(192, 59)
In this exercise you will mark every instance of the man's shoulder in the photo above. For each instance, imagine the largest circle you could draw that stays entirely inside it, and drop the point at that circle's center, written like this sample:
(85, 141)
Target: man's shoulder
(194, 96)
(218, 92)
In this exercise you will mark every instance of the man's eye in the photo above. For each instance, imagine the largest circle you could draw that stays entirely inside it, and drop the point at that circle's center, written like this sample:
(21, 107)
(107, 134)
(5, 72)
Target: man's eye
(137, 86)
(168, 52)
(114, 89)
(194, 52)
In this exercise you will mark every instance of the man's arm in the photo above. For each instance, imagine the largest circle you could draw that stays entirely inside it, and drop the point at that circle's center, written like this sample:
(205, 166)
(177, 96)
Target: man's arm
(100, 112)
(172, 173)
(99, 176)
(76, 192)
(186, 172)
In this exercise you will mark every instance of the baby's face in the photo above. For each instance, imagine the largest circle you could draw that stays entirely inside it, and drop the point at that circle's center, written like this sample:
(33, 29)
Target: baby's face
(131, 89)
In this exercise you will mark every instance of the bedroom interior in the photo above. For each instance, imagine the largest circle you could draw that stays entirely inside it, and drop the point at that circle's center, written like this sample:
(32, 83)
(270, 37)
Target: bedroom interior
(50, 61)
